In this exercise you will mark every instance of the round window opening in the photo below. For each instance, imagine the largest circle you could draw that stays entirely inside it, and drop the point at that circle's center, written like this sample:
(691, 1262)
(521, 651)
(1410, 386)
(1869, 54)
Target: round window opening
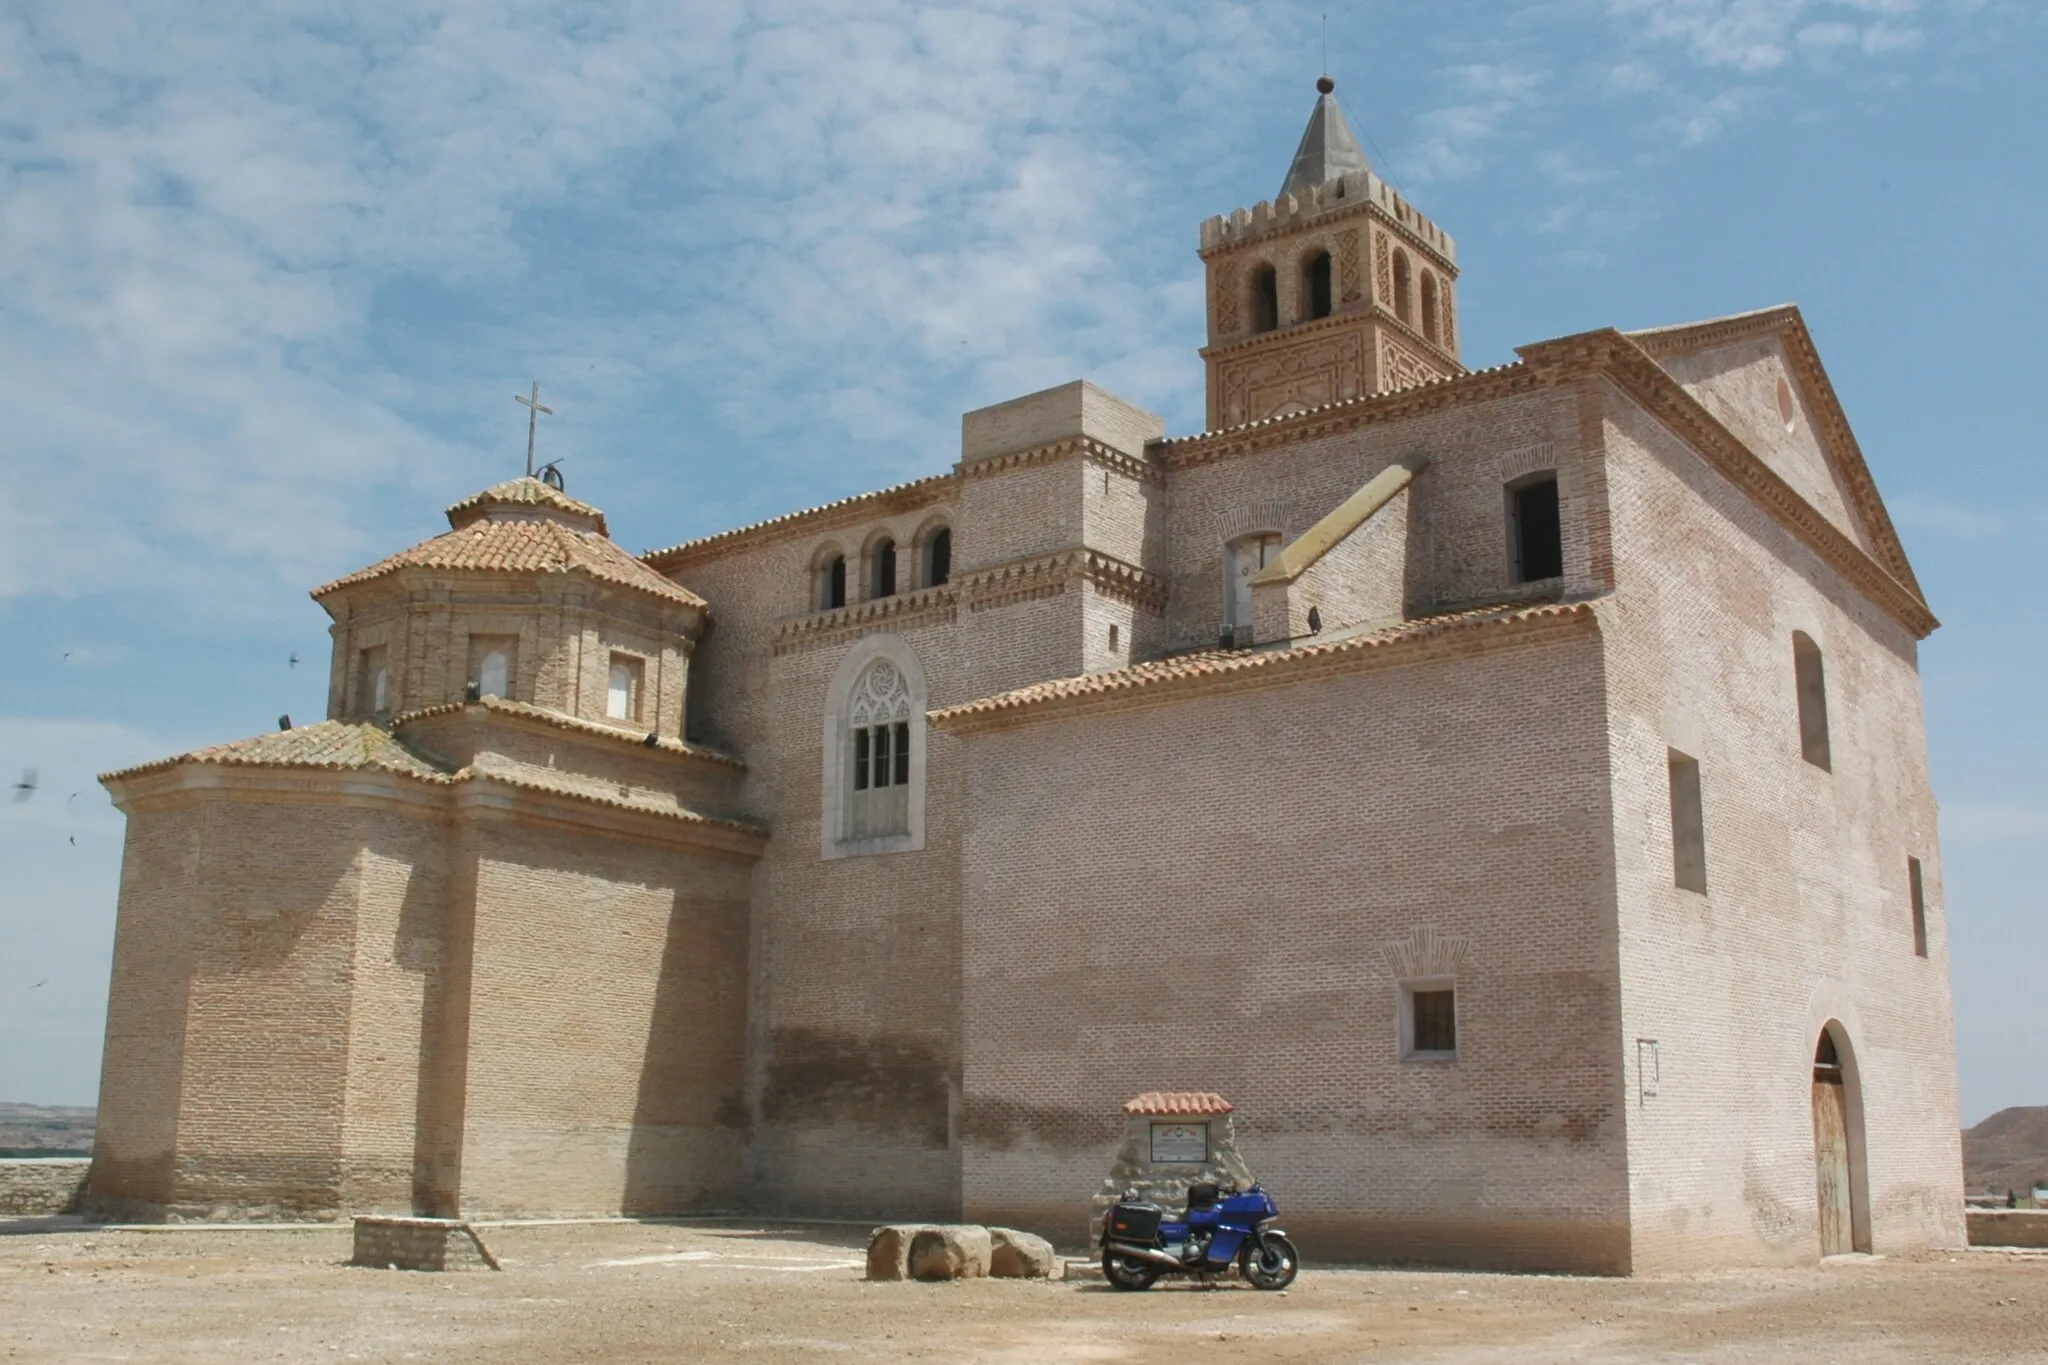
(1785, 409)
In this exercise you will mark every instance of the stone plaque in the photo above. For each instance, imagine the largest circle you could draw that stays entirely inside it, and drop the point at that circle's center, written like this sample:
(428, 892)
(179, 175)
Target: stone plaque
(1180, 1142)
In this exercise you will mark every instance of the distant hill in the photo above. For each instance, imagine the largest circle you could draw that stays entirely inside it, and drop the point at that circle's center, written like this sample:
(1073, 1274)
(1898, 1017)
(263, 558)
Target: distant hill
(2008, 1151)
(39, 1130)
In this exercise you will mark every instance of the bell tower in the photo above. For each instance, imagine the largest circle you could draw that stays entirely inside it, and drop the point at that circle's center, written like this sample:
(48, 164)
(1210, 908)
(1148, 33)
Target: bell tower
(1334, 289)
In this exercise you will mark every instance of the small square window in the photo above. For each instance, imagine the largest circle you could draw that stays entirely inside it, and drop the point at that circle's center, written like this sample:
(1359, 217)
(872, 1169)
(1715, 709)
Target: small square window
(1429, 1021)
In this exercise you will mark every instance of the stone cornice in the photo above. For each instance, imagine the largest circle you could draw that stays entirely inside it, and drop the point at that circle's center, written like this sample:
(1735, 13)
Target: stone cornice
(921, 606)
(1296, 331)
(1068, 448)
(1297, 225)
(1611, 354)
(1333, 419)
(1046, 575)
(903, 497)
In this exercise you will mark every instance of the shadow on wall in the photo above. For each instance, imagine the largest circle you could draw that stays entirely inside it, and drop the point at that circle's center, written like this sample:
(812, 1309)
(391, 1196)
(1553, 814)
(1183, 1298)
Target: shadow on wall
(690, 1119)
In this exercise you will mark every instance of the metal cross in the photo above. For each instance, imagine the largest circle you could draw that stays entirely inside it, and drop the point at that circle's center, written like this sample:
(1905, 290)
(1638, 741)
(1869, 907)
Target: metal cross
(533, 412)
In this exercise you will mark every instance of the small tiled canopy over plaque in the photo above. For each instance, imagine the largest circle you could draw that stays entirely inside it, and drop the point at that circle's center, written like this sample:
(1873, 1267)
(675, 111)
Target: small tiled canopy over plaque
(1171, 1140)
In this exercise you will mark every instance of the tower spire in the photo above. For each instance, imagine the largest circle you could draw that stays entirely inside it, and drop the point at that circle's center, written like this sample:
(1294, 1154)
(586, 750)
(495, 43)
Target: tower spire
(1328, 149)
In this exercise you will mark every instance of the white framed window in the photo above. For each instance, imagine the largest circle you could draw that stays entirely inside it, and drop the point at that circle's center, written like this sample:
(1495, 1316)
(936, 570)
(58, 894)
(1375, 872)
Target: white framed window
(873, 800)
(1427, 1020)
(623, 687)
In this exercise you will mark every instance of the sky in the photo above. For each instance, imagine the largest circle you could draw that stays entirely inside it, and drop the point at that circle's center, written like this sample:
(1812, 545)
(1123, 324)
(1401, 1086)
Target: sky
(270, 275)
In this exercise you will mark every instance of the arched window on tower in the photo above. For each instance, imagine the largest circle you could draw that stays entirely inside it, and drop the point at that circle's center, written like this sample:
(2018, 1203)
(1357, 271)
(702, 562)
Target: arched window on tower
(882, 560)
(828, 588)
(1265, 299)
(1429, 327)
(1315, 286)
(938, 557)
(1402, 309)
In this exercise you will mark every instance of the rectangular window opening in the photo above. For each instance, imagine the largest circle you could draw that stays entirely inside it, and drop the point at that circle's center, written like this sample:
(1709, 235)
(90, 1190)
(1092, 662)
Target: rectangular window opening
(373, 687)
(622, 693)
(860, 759)
(1536, 532)
(1436, 1020)
(902, 753)
(1813, 700)
(1688, 825)
(1919, 889)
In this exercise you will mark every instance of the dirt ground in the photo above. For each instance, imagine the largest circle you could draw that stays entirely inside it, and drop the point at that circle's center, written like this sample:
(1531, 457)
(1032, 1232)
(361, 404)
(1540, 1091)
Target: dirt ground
(622, 1292)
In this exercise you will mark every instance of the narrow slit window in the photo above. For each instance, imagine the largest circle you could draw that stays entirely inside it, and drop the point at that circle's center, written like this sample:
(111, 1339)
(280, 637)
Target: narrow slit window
(1811, 674)
(1429, 326)
(1688, 825)
(902, 747)
(1402, 308)
(860, 759)
(1919, 890)
(1535, 531)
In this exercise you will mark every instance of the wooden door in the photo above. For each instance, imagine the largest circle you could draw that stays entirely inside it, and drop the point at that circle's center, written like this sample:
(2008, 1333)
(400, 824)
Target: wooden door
(1831, 1161)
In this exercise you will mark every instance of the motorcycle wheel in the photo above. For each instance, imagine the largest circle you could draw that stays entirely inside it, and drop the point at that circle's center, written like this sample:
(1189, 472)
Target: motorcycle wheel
(1124, 1273)
(1271, 1266)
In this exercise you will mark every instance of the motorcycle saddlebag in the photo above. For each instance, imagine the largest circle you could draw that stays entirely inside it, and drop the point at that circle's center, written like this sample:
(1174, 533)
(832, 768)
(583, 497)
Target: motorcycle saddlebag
(1135, 1222)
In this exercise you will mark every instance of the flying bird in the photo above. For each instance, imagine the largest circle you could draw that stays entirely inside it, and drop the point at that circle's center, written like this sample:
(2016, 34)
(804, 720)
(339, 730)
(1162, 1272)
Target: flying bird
(69, 799)
(74, 840)
(40, 984)
(25, 788)
(295, 659)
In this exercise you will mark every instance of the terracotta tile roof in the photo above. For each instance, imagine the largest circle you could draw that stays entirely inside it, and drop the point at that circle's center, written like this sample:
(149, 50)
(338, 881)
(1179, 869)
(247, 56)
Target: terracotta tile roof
(522, 492)
(341, 746)
(332, 744)
(927, 489)
(1179, 1102)
(1215, 663)
(535, 546)
(526, 711)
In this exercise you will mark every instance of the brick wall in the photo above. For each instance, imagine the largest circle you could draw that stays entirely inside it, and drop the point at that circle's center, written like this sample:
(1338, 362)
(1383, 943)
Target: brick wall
(1807, 914)
(1199, 896)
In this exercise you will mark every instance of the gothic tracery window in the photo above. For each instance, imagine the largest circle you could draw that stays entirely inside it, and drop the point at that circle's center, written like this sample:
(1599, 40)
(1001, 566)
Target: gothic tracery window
(878, 738)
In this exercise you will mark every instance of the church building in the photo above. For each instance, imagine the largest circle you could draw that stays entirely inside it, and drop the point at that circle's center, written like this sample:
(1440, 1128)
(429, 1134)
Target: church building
(1508, 787)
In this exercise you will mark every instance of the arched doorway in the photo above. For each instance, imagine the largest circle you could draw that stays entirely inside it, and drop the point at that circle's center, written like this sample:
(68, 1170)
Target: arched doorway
(1837, 1147)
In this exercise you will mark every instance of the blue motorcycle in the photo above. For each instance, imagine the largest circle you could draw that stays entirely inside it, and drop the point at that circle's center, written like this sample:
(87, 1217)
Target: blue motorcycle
(1139, 1243)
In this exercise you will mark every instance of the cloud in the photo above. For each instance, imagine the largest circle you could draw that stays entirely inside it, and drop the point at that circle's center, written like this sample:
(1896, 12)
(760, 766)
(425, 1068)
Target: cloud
(255, 268)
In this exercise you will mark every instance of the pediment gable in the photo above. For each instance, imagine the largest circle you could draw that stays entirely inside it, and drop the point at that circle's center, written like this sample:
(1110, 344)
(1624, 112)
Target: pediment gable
(1759, 375)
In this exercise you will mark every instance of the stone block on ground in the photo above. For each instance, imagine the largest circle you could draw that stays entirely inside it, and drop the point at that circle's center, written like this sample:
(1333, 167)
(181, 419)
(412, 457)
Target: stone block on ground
(954, 1252)
(889, 1251)
(391, 1243)
(1015, 1255)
